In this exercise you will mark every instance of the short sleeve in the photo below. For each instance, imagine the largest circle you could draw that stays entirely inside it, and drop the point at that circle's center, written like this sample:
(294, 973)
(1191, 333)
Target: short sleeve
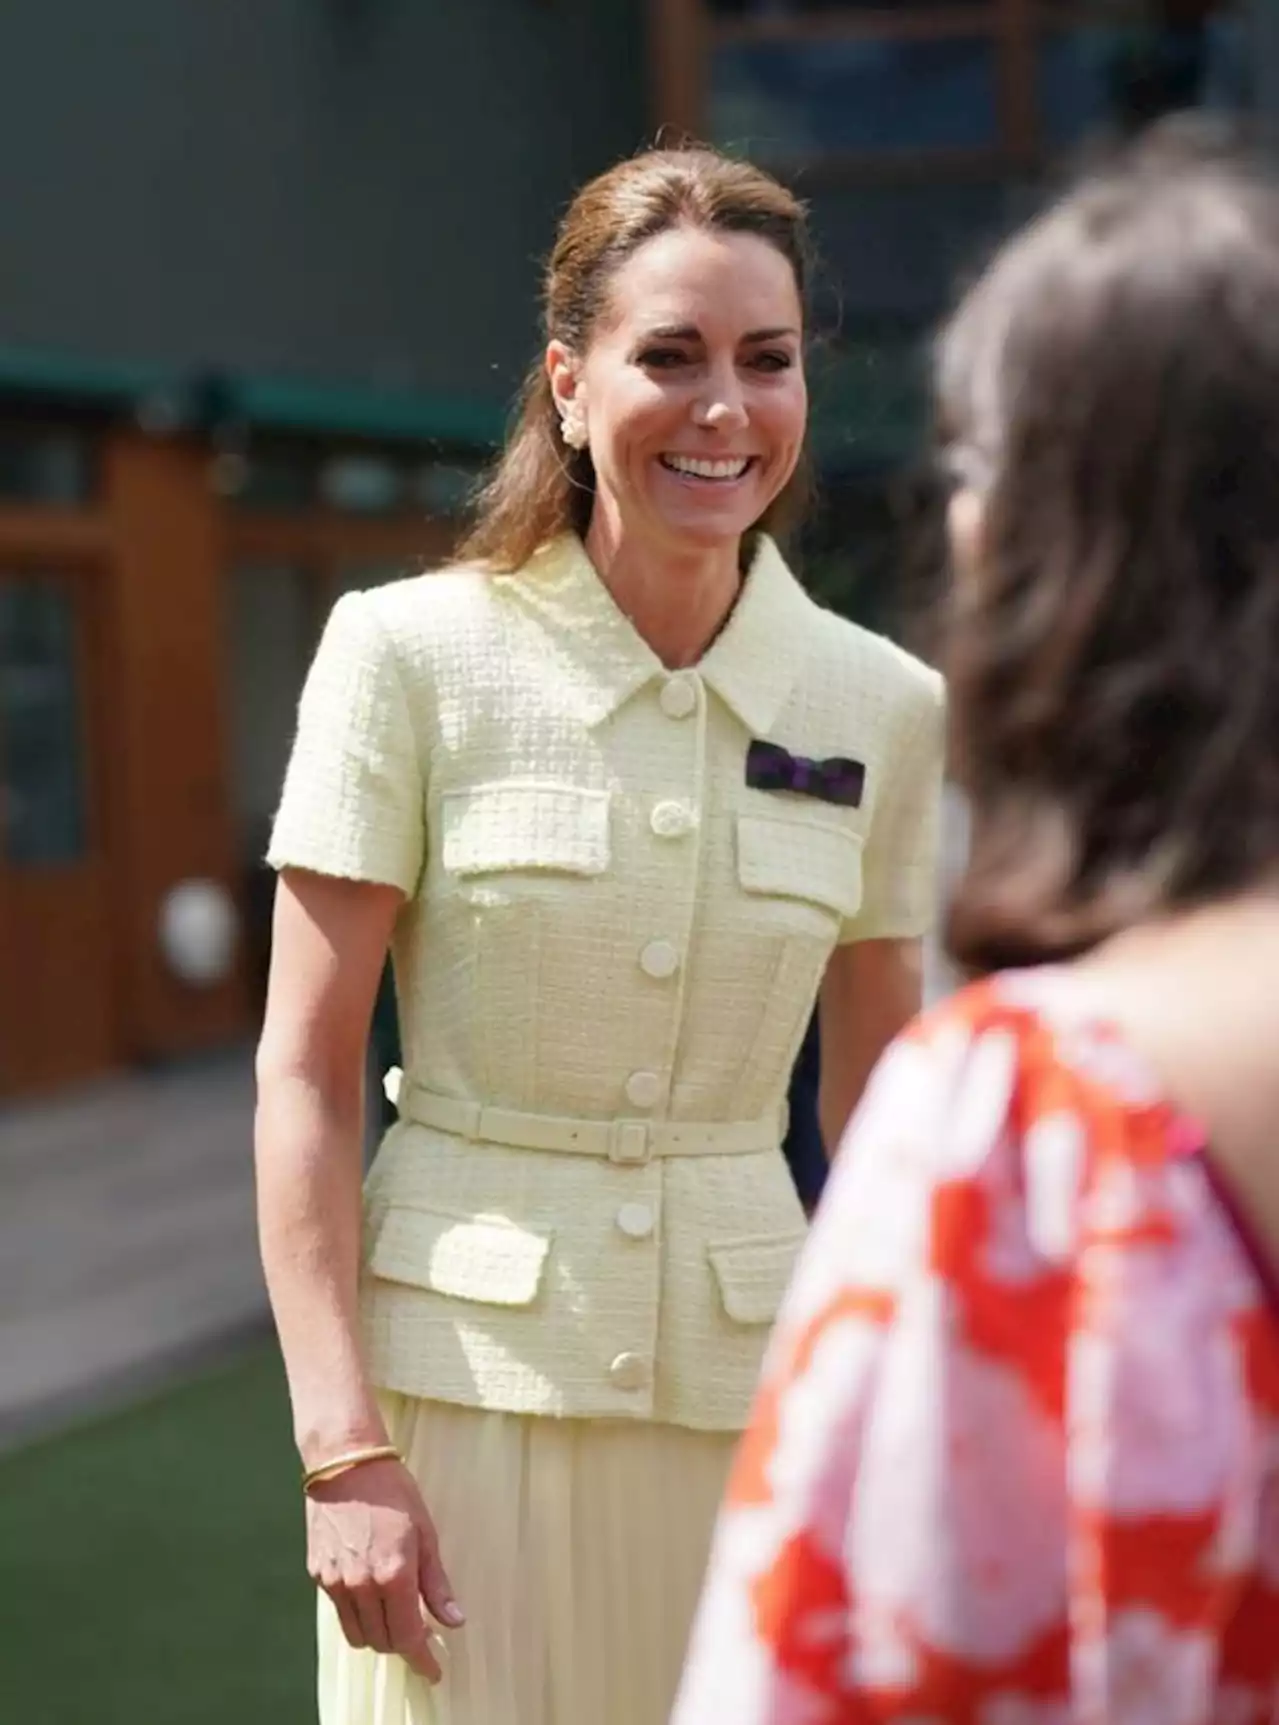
(900, 861)
(353, 803)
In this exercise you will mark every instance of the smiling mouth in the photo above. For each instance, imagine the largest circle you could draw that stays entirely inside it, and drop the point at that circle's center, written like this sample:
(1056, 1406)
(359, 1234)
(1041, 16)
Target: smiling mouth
(717, 472)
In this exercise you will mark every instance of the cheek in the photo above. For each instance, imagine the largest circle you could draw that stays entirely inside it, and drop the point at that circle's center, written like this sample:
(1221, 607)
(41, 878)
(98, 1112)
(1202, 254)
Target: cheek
(635, 417)
(783, 414)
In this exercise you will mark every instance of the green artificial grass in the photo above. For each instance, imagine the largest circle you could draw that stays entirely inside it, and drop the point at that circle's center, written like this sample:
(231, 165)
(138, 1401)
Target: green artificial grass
(151, 1564)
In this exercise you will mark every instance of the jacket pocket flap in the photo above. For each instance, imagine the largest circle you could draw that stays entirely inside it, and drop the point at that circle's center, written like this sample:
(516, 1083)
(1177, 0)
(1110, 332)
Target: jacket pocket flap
(753, 1274)
(493, 1262)
(525, 825)
(790, 858)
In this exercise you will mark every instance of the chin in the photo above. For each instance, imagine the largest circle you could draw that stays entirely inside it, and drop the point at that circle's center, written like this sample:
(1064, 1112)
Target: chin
(702, 536)
(711, 530)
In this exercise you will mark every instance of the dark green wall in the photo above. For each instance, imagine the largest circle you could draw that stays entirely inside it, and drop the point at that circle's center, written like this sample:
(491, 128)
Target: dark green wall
(346, 190)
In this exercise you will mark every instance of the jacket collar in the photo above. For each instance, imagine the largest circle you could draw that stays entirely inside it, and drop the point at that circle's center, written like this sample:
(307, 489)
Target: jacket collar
(751, 665)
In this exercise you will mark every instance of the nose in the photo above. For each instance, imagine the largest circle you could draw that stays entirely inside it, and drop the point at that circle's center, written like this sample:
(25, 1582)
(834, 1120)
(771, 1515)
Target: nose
(721, 406)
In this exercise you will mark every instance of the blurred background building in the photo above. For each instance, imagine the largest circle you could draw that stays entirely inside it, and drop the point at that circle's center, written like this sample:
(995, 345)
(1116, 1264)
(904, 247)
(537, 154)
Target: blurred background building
(267, 285)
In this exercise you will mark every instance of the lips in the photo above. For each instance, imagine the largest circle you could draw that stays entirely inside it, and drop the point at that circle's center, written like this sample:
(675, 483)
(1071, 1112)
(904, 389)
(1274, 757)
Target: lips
(723, 470)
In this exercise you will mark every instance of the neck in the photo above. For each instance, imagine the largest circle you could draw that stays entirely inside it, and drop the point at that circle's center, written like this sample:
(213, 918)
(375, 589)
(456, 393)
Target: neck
(676, 602)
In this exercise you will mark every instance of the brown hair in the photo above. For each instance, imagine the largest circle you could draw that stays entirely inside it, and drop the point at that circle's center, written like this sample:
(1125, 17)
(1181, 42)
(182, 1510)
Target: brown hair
(1109, 387)
(540, 487)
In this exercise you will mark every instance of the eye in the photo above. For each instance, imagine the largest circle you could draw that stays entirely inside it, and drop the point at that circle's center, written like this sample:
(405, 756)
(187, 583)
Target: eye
(662, 358)
(777, 360)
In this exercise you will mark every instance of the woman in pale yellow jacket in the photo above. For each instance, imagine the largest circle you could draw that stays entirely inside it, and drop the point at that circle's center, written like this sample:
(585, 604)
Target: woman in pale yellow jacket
(620, 797)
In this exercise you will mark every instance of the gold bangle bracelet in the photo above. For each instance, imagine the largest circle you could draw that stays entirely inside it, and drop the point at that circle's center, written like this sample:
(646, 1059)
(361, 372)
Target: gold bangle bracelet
(344, 1463)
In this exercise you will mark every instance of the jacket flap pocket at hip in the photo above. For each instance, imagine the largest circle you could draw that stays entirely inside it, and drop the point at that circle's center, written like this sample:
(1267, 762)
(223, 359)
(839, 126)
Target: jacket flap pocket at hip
(753, 1274)
(492, 1262)
(524, 824)
(803, 859)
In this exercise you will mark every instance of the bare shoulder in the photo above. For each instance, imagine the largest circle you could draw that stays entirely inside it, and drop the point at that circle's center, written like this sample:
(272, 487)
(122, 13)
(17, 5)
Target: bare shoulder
(1195, 997)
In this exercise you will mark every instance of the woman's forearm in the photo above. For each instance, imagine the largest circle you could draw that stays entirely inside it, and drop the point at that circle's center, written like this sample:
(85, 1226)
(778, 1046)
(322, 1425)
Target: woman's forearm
(840, 1090)
(870, 992)
(308, 1147)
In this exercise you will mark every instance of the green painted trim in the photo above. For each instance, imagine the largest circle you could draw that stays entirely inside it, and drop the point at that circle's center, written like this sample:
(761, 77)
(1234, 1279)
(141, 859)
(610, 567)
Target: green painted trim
(334, 410)
(869, 402)
(259, 403)
(59, 378)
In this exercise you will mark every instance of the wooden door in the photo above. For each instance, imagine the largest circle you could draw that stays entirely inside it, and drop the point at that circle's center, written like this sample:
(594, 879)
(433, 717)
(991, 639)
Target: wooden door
(58, 1008)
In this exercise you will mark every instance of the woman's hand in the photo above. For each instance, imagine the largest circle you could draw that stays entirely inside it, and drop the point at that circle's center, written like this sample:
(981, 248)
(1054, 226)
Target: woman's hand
(372, 1547)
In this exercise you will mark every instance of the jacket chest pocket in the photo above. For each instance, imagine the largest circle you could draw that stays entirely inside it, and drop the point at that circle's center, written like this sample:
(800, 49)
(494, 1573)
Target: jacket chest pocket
(525, 864)
(505, 838)
(809, 872)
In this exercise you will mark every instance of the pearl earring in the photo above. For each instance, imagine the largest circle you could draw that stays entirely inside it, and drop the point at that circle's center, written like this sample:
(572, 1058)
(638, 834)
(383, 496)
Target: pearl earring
(573, 431)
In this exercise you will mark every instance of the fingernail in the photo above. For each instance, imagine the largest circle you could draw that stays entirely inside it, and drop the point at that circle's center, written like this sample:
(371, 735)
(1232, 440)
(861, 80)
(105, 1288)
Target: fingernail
(452, 1613)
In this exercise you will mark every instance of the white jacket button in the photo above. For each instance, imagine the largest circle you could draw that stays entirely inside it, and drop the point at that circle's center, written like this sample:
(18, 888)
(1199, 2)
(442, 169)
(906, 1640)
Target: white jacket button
(629, 1371)
(636, 1221)
(671, 820)
(643, 1089)
(659, 959)
(678, 698)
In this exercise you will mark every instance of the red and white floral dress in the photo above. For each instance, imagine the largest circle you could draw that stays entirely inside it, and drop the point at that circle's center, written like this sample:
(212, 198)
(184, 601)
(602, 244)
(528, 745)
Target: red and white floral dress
(1013, 1458)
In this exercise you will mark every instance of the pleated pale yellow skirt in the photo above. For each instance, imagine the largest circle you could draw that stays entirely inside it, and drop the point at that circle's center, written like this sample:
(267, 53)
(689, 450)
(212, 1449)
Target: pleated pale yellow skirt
(576, 1549)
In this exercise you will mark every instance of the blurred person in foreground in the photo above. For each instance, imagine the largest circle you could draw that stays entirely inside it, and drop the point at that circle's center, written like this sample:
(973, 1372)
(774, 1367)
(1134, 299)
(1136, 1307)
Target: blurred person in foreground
(620, 797)
(1013, 1460)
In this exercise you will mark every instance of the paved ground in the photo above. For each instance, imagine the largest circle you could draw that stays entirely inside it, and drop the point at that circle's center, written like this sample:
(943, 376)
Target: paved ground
(128, 1254)
(127, 1246)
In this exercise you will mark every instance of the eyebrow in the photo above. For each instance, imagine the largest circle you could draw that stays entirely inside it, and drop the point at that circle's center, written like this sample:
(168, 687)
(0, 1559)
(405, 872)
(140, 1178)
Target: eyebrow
(689, 332)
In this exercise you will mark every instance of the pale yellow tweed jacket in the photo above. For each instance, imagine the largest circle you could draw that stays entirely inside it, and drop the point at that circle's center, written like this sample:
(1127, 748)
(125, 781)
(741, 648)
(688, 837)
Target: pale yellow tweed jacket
(608, 952)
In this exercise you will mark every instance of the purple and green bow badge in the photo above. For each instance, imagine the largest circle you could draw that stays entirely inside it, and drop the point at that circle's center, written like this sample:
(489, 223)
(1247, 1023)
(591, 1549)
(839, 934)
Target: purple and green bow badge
(838, 779)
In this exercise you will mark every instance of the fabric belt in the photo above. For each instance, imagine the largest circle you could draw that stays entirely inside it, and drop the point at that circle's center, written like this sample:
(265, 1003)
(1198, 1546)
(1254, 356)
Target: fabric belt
(617, 1140)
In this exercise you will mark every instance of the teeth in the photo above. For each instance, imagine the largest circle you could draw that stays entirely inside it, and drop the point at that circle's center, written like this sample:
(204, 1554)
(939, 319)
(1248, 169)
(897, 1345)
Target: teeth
(707, 469)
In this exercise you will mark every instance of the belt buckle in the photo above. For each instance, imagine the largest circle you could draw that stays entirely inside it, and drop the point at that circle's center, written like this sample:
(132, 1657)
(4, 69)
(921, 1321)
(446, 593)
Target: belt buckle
(630, 1142)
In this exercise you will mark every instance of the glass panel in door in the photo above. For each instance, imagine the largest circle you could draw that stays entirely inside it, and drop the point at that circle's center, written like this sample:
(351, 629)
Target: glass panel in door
(56, 932)
(43, 818)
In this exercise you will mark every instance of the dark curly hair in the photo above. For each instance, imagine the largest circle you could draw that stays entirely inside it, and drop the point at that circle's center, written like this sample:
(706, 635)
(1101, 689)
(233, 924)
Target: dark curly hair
(1108, 388)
